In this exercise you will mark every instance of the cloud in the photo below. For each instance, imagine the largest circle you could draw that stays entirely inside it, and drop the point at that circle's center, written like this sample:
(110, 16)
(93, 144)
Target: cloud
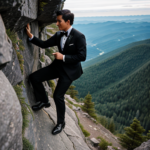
(102, 8)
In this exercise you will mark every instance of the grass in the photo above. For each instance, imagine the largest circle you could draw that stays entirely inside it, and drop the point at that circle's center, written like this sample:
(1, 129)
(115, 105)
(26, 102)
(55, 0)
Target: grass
(85, 132)
(103, 143)
(25, 108)
(76, 105)
(49, 52)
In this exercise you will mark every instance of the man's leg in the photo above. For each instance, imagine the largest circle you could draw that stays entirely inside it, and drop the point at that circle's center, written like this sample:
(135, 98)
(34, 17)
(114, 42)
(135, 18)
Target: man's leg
(39, 76)
(60, 90)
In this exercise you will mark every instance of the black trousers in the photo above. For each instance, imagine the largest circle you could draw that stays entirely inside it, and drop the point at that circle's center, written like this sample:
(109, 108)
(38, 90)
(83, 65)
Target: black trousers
(48, 73)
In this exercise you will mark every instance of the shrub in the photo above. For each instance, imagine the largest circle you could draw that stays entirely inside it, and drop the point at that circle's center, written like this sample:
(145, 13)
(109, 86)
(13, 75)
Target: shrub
(103, 144)
(85, 132)
(27, 145)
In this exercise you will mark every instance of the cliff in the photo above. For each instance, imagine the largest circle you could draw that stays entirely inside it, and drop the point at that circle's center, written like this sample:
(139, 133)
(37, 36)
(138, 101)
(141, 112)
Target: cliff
(22, 128)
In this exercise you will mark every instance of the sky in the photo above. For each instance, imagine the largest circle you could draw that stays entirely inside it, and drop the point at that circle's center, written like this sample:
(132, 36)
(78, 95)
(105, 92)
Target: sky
(89, 8)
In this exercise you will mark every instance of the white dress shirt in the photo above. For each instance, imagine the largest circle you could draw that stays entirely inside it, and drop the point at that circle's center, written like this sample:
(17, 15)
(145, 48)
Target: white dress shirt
(62, 41)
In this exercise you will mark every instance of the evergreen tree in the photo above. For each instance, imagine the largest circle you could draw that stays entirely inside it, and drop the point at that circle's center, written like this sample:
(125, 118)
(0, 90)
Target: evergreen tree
(111, 125)
(73, 93)
(148, 135)
(133, 135)
(89, 106)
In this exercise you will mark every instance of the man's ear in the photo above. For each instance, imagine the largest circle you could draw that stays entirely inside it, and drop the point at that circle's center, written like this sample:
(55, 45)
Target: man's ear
(68, 21)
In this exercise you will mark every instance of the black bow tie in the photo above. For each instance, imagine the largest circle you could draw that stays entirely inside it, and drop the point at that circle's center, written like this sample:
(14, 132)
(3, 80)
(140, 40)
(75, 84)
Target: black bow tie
(64, 33)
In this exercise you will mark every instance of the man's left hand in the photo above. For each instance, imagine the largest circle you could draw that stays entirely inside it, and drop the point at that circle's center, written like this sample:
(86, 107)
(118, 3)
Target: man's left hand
(58, 55)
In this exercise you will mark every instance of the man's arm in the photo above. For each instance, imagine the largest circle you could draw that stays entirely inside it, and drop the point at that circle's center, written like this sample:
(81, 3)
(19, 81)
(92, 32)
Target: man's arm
(64, 58)
(31, 37)
(81, 51)
(44, 44)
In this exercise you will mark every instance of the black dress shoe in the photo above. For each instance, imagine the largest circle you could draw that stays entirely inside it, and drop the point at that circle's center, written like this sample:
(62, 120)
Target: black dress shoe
(40, 105)
(58, 128)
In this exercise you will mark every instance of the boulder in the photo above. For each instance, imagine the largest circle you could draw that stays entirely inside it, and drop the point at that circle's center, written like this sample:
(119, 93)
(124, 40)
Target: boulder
(144, 146)
(16, 14)
(10, 118)
(47, 9)
(5, 46)
(94, 142)
(12, 70)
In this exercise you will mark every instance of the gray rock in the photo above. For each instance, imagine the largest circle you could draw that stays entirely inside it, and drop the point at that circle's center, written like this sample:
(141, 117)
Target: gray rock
(5, 46)
(76, 108)
(39, 130)
(144, 146)
(31, 52)
(71, 129)
(12, 70)
(18, 13)
(86, 114)
(47, 9)
(95, 142)
(10, 118)
(48, 61)
(6, 5)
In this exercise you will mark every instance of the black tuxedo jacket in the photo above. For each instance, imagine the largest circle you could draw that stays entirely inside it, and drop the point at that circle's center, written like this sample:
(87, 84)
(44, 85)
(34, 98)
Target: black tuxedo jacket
(74, 51)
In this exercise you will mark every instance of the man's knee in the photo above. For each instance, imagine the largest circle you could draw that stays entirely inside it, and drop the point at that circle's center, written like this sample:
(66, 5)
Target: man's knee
(55, 96)
(31, 77)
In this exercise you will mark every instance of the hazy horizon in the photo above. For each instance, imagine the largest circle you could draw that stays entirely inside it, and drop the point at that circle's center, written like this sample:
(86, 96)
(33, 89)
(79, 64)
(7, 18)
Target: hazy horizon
(111, 16)
(86, 8)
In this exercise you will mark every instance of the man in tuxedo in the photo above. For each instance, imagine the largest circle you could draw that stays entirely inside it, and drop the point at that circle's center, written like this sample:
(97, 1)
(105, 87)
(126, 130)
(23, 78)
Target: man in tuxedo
(66, 65)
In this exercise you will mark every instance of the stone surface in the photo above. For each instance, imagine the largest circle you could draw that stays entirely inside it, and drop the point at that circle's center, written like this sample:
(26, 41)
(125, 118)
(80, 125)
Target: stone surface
(70, 98)
(95, 141)
(47, 9)
(12, 70)
(16, 14)
(6, 5)
(144, 146)
(31, 52)
(39, 130)
(10, 118)
(5, 46)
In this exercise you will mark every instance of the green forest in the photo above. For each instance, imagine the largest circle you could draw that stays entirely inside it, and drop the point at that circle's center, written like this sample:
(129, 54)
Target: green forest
(100, 58)
(120, 87)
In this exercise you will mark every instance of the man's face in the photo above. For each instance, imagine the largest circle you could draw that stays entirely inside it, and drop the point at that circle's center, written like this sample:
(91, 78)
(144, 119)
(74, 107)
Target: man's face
(62, 25)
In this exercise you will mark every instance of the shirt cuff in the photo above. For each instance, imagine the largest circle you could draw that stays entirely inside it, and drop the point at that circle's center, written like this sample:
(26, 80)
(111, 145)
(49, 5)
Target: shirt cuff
(64, 58)
(31, 38)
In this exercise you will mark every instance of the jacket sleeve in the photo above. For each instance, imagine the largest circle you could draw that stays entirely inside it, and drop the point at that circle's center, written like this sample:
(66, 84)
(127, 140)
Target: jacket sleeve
(44, 44)
(81, 51)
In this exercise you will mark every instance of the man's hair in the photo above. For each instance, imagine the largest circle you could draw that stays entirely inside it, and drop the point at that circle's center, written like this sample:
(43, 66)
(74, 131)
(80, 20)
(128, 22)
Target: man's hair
(66, 15)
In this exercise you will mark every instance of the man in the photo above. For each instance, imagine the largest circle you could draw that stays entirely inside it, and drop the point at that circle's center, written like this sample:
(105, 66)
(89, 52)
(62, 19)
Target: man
(66, 66)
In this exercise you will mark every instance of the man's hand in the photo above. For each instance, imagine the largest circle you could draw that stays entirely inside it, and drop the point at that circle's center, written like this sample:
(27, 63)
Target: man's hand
(58, 55)
(28, 30)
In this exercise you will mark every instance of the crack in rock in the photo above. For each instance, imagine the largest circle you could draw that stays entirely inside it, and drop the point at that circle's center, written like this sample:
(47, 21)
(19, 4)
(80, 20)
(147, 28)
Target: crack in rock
(48, 115)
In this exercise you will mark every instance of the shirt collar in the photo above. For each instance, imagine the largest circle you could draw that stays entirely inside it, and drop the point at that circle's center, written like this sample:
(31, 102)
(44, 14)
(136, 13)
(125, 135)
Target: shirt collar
(69, 30)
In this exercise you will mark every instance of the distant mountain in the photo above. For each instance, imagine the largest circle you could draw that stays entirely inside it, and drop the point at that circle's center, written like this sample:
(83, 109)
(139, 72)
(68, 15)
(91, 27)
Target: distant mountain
(120, 86)
(104, 37)
(87, 20)
(112, 53)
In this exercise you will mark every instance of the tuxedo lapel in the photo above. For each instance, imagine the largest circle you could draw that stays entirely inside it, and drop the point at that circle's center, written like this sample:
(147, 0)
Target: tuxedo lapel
(68, 40)
(59, 38)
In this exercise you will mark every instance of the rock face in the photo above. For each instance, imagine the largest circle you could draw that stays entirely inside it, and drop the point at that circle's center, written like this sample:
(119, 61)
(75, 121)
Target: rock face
(47, 9)
(5, 46)
(39, 131)
(144, 146)
(12, 70)
(16, 14)
(10, 118)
